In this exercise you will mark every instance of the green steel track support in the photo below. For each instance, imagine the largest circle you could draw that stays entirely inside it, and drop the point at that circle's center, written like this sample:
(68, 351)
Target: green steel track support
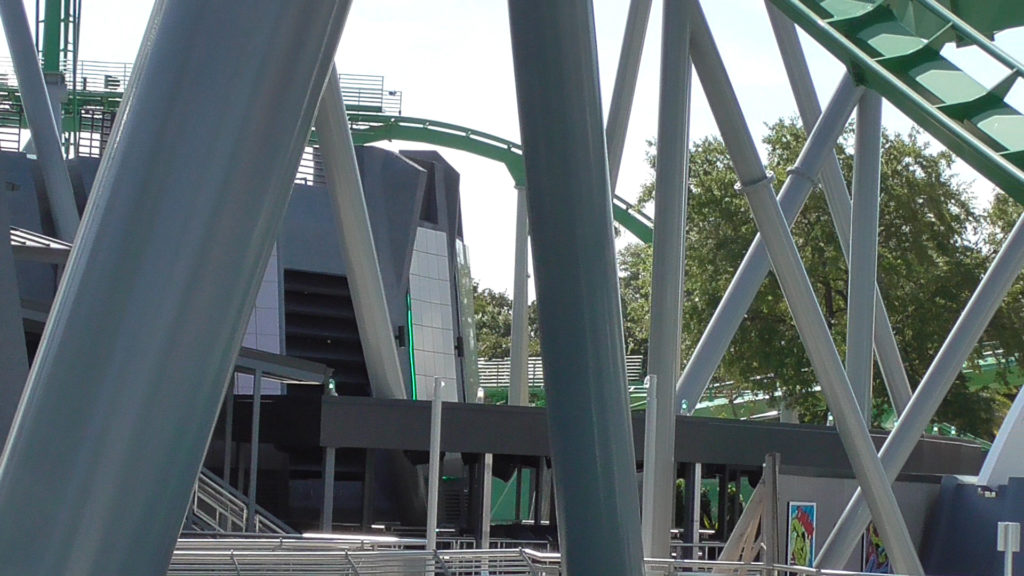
(368, 128)
(900, 59)
(52, 23)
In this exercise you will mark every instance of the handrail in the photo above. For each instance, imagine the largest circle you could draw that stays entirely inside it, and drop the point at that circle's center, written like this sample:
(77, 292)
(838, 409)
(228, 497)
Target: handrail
(229, 558)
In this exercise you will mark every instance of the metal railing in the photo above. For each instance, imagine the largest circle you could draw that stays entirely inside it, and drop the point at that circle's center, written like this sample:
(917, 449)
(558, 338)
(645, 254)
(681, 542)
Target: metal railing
(496, 373)
(217, 507)
(335, 556)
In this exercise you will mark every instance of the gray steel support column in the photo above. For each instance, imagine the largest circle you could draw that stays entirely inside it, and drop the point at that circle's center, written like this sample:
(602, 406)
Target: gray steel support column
(668, 270)
(327, 506)
(229, 425)
(770, 512)
(485, 515)
(932, 390)
(434, 473)
(190, 195)
(860, 315)
(625, 84)
(817, 340)
(45, 132)
(519, 384)
(554, 53)
(13, 354)
(254, 451)
(647, 482)
(838, 197)
(369, 488)
(376, 332)
(754, 268)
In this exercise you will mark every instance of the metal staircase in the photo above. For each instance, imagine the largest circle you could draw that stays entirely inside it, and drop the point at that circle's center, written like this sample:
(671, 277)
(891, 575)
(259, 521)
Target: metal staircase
(894, 47)
(217, 507)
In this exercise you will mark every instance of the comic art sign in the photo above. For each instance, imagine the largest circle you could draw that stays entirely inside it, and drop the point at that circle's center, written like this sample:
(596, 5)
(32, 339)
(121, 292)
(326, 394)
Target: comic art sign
(876, 559)
(800, 545)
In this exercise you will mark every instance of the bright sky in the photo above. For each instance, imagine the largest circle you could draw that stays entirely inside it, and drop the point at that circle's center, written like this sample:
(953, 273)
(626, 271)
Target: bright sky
(452, 60)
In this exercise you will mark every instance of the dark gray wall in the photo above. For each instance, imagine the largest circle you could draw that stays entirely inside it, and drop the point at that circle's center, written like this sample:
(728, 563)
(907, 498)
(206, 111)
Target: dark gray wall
(961, 535)
(28, 208)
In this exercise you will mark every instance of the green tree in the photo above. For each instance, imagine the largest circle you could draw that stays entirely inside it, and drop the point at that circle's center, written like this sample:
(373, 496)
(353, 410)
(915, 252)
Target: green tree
(930, 259)
(493, 314)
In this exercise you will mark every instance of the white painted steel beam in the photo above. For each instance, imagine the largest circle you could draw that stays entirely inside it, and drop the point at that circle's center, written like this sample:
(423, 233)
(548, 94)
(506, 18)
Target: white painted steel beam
(519, 384)
(817, 340)
(1004, 460)
(932, 390)
(667, 280)
(376, 333)
(860, 315)
(838, 198)
(625, 84)
(778, 242)
(754, 267)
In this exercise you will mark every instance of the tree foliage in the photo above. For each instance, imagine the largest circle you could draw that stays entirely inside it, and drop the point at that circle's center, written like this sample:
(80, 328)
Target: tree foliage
(932, 251)
(493, 315)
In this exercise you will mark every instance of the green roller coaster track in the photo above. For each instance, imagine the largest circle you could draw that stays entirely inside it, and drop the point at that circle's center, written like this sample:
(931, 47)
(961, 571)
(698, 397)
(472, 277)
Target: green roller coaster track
(368, 128)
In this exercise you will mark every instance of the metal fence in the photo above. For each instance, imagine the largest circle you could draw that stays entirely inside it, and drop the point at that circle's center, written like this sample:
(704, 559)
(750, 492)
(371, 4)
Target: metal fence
(496, 373)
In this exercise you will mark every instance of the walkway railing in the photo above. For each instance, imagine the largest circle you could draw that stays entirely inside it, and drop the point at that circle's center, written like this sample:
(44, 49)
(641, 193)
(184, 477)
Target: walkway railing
(215, 557)
(217, 507)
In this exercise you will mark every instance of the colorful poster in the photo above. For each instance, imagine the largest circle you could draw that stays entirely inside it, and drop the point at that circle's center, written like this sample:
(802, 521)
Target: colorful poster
(800, 546)
(876, 558)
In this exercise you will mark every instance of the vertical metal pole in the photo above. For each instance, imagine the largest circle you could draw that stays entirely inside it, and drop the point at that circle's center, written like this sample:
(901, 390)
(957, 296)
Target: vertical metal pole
(929, 394)
(860, 315)
(41, 123)
(357, 245)
(517, 508)
(625, 84)
(188, 174)
(254, 451)
(770, 512)
(434, 474)
(647, 492)
(817, 340)
(369, 487)
(554, 55)
(519, 385)
(723, 503)
(485, 513)
(838, 197)
(539, 482)
(668, 270)
(327, 507)
(229, 426)
(754, 268)
(13, 354)
(694, 490)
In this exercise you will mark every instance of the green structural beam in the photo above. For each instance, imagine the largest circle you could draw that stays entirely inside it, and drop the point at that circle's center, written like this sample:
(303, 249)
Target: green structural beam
(51, 35)
(369, 128)
(883, 53)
